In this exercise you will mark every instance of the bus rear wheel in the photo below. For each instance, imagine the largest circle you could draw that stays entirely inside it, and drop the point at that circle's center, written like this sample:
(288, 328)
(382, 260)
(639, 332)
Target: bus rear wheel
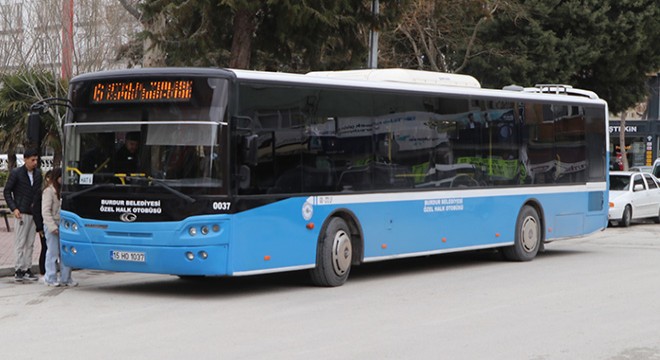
(528, 238)
(334, 255)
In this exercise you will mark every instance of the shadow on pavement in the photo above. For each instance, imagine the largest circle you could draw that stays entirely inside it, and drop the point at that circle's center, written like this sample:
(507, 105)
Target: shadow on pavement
(213, 287)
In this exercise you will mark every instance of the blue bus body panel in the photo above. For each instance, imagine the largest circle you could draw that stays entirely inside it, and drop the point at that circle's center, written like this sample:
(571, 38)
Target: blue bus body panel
(164, 245)
(279, 236)
(451, 220)
(273, 236)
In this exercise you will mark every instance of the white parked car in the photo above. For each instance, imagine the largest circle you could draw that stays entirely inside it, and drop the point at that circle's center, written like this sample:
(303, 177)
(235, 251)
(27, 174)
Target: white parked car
(646, 169)
(633, 195)
(656, 168)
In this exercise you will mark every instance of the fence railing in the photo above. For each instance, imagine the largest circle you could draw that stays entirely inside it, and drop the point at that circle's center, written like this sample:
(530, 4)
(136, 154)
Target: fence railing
(46, 162)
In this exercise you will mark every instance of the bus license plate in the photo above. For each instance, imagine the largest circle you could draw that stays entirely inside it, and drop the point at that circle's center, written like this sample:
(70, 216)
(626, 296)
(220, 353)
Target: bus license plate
(127, 256)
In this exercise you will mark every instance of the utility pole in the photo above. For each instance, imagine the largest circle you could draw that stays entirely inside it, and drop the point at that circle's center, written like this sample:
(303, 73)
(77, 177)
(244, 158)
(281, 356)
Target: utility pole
(67, 39)
(373, 38)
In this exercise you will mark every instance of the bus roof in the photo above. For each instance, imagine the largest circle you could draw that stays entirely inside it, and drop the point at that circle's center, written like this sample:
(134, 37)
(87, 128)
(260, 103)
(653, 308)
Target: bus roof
(402, 76)
(146, 72)
(385, 79)
(370, 79)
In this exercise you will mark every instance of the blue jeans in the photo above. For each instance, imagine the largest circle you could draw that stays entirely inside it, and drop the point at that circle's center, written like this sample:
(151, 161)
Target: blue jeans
(52, 256)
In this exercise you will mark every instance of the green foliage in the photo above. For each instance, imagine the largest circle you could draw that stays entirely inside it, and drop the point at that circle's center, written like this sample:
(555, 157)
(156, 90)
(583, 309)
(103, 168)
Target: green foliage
(319, 35)
(18, 91)
(608, 46)
(289, 35)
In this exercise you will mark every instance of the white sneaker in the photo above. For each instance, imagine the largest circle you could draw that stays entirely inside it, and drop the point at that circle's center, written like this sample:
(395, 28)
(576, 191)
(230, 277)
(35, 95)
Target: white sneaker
(53, 284)
(71, 283)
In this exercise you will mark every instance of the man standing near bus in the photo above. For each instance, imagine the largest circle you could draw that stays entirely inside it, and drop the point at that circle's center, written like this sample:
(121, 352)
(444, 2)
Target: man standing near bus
(23, 195)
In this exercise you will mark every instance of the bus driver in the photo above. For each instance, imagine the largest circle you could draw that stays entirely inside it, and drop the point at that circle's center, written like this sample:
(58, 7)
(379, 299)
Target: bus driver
(126, 160)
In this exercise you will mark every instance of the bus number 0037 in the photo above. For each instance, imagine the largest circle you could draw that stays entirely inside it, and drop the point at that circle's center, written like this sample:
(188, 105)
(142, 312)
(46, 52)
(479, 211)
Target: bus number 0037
(221, 205)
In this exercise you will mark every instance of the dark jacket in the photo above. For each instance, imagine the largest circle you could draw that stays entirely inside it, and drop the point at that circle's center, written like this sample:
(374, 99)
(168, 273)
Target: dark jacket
(125, 161)
(20, 195)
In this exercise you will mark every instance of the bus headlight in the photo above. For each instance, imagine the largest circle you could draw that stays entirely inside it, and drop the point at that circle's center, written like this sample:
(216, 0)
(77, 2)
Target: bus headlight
(192, 231)
(205, 230)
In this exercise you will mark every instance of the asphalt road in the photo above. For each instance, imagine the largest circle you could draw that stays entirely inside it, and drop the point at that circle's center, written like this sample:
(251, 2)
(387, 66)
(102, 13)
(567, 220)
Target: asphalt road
(591, 298)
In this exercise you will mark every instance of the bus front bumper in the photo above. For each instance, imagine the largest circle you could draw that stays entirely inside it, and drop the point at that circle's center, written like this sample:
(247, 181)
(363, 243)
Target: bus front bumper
(176, 260)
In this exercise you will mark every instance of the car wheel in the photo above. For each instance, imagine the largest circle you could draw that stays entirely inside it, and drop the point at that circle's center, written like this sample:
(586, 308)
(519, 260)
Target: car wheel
(626, 217)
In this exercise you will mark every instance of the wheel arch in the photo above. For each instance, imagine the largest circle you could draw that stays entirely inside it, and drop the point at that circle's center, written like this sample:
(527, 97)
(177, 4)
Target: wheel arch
(357, 238)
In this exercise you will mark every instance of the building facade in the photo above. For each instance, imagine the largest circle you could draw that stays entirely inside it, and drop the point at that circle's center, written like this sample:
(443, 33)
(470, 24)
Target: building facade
(32, 32)
(642, 130)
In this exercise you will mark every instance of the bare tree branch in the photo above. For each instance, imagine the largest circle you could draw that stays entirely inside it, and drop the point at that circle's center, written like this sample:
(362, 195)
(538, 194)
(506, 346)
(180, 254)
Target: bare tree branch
(481, 21)
(131, 9)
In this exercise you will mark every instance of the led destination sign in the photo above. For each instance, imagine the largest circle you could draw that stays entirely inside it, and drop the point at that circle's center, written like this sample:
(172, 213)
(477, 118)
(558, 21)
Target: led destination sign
(142, 91)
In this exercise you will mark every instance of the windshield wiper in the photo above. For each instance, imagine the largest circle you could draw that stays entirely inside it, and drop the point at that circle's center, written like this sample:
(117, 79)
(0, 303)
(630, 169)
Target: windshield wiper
(164, 186)
(91, 188)
(172, 190)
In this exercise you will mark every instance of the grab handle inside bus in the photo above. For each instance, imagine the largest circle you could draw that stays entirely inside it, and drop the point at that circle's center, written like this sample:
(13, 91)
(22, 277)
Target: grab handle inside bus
(250, 146)
(244, 177)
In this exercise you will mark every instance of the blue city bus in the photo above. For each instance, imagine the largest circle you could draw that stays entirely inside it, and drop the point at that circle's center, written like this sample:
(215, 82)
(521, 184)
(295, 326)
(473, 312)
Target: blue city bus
(237, 172)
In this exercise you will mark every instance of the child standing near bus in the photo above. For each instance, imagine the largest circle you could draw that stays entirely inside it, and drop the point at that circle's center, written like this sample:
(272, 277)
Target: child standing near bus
(50, 208)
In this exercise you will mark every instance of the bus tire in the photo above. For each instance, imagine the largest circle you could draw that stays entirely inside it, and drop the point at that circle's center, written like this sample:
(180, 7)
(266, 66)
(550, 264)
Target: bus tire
(528, 238)
(334, 255)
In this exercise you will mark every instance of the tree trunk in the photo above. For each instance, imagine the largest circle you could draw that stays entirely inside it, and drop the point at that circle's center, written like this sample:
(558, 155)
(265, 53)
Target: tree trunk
(11, 160)
(622, 141)
(154, 56)
(241, 45)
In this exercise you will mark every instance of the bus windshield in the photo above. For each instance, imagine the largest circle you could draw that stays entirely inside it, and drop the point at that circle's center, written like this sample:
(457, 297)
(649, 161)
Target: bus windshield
(142, 138)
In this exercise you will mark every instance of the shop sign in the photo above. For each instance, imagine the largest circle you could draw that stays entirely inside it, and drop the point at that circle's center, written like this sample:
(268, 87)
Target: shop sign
(617, 129)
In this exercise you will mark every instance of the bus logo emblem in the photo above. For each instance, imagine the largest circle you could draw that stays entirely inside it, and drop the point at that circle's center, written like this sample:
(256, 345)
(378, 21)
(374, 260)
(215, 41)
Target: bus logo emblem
(307, 210)
(128, 217)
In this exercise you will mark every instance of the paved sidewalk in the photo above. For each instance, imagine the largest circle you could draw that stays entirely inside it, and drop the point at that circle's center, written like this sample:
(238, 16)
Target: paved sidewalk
(7, 257)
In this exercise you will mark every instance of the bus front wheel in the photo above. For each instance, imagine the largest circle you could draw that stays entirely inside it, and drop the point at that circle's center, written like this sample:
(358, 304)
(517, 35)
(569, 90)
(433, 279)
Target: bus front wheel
(527, 238)
(334, 255)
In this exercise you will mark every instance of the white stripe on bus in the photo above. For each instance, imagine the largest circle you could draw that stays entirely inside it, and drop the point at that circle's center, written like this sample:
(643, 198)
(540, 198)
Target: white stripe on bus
(345, 199)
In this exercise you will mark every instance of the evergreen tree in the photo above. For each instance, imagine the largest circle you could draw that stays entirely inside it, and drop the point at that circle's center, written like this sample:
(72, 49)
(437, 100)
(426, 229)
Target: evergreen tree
(286, 35)
(607, 46)
(17, 93)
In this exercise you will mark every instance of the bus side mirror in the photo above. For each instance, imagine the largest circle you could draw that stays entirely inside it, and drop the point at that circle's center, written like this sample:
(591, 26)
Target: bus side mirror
(34, 133)
(249, 147)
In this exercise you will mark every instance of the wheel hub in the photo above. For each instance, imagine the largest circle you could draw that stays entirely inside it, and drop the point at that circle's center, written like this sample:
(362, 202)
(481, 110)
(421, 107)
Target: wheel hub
(341, 253)
(529, 234)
